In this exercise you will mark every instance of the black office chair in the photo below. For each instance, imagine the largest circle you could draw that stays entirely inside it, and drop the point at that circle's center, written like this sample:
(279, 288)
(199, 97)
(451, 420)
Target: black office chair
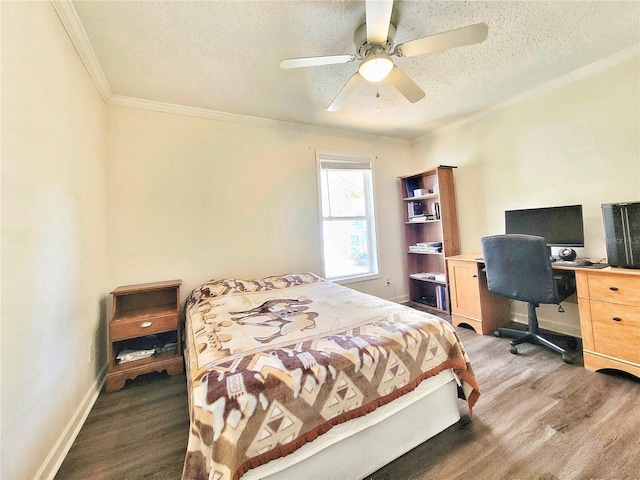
(518, 267)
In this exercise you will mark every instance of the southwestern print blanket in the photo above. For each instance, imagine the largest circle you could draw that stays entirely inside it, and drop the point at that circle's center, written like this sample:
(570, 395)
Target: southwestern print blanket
(274, 363)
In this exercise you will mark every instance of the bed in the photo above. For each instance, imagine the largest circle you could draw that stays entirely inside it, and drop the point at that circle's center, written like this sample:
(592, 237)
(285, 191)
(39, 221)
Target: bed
(293, 376)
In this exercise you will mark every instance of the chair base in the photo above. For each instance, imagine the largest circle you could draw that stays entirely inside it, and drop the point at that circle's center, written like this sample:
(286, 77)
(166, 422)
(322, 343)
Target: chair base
(524, 336)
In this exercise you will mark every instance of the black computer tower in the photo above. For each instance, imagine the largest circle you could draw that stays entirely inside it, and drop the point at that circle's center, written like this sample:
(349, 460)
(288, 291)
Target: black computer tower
(622, 234)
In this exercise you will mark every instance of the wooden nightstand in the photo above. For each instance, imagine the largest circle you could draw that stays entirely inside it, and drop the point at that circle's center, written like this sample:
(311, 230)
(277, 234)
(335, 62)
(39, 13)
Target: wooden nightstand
(143, 313)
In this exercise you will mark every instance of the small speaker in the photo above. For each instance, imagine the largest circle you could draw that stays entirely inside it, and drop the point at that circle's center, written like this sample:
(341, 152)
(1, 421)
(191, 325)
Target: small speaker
(567, 254)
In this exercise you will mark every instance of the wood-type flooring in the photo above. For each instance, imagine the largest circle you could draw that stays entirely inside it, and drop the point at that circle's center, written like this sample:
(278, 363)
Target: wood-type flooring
(537, 418)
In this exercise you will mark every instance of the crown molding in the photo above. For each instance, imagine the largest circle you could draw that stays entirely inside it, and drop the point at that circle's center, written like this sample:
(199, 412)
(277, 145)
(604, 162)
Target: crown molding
(152, 105)
(72, 24)
(586, 71)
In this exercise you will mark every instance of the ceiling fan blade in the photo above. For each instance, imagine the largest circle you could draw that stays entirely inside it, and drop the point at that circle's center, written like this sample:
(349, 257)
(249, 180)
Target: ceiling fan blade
(314, 61)
(405, 85)
(378, 16)
(443, 41)
(347, 90)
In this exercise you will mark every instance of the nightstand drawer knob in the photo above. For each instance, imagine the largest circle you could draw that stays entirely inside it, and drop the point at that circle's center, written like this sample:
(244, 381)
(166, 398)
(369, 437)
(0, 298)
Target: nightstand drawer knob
(617, 319)
(613, 289)
(146, 324)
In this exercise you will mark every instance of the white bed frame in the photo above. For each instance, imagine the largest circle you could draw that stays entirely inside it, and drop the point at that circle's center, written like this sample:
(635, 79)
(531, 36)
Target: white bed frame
(361, 446)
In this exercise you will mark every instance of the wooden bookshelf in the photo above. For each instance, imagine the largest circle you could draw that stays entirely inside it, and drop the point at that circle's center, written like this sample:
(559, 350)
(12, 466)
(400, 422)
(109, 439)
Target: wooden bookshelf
(437, 223)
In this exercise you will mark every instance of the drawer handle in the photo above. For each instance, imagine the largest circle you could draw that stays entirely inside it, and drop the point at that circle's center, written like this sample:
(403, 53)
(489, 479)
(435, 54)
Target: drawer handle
(617, 319)
(613, 289)
(475, 276)
(146, 324)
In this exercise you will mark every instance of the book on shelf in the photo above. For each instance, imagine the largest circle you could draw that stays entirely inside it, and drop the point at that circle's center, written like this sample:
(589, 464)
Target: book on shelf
(410, 185)
(146, 346)
(435, 208)
(415, 209)
(441, 297)
(125, 356)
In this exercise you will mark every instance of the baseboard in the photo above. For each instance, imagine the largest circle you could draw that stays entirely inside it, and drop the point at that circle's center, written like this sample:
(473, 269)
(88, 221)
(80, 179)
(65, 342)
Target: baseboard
(56, 456)
(403, 298)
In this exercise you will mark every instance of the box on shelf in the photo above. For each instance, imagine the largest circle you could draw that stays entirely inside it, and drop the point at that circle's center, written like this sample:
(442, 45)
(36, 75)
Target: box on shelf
(429, 246)
(438, 277)
(422, 218)
(420, 192)
(430, 300)
(419, 276)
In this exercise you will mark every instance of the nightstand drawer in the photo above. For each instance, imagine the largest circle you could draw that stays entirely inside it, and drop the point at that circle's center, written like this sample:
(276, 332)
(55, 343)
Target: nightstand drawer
(619, 289)
(138, 327)
(616, 330)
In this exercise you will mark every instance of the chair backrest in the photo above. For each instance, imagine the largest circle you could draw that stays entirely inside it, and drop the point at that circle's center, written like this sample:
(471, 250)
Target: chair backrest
(518, 267)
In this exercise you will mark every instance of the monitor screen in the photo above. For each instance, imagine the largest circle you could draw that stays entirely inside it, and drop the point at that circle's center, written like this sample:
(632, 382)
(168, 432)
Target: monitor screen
(560, 226)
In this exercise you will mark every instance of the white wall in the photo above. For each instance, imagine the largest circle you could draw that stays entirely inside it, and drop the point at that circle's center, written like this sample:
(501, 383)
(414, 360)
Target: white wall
(197, 198)
(576, 144)
(53, 237)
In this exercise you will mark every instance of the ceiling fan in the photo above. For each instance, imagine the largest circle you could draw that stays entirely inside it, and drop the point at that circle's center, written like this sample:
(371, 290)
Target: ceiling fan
(374, 49)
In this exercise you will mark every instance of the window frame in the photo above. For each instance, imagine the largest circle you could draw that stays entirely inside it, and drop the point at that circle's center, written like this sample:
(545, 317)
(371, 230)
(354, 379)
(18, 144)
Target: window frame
(323, 157)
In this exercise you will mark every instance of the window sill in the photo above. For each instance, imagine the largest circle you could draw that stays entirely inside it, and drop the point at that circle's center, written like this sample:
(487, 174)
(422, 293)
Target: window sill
(361, 278)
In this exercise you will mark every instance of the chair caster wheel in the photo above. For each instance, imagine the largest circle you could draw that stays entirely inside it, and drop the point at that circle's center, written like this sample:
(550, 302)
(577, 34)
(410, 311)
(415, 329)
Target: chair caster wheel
(513, 349)
(572, 343)
(566, 358)
(496, 333)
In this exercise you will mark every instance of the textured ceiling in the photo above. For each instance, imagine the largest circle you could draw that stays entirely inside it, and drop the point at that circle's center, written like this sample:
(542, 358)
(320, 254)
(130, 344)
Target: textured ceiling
(224, 55)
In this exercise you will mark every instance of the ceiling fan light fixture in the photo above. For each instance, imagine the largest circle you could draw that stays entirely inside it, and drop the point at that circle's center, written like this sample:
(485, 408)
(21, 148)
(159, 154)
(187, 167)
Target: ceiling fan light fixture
(375, 66)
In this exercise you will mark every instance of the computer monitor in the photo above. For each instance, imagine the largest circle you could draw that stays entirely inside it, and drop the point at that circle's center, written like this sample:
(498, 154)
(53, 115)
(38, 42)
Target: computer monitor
(560, 226)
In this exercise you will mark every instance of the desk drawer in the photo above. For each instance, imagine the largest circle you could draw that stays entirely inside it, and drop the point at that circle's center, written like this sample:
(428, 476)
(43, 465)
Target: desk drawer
(619, 289)
(616, 330)
(138, 327)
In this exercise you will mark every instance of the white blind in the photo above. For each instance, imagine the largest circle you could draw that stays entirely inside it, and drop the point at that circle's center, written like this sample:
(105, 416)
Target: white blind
(329, 163)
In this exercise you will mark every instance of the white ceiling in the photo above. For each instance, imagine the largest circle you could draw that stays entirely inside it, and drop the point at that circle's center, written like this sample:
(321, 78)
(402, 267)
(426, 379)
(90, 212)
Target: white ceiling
(224, 56)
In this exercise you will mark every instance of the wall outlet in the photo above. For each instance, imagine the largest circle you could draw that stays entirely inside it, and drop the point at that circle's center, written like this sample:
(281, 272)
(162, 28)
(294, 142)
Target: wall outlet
(388, 282)
(92, 352)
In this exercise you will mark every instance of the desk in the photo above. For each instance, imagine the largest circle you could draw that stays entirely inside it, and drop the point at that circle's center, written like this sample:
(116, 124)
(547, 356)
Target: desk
(472, 303)
(608, 304)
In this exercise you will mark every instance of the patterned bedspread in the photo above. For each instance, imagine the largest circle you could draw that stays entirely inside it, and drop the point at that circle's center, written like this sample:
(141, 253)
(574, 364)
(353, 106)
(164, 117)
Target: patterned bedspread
(274, 363)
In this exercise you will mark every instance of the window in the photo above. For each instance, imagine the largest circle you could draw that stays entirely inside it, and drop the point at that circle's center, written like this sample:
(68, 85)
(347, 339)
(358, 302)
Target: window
(348, 224)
